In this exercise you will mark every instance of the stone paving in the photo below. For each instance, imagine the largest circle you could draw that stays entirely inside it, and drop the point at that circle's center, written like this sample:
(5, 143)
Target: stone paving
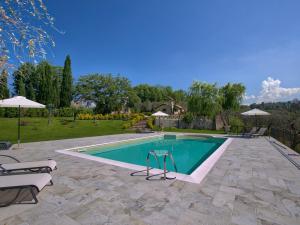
(252, 183)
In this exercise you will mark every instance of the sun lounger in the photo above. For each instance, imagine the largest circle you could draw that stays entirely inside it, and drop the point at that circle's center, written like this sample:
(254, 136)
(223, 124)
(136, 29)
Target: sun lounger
(261, 132)
(37, 166)
(250, 134)
(5, 145)
(22, 188)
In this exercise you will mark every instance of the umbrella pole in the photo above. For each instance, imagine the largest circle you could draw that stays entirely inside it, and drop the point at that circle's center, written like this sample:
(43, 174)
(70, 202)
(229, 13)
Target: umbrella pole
(19, 124)
(159, 122)
(256, 121)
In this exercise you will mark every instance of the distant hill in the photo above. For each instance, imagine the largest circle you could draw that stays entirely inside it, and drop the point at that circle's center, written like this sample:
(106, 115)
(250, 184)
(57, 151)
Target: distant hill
(291, 106)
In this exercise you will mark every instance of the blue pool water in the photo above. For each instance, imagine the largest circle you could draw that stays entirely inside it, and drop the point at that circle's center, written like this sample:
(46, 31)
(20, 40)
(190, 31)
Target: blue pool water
(188, 151)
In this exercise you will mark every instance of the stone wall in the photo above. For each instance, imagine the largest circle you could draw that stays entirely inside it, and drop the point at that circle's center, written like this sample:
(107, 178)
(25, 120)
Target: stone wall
(198, 123)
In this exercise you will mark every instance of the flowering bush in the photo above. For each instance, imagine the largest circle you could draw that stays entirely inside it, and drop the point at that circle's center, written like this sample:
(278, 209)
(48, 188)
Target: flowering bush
(134, 119)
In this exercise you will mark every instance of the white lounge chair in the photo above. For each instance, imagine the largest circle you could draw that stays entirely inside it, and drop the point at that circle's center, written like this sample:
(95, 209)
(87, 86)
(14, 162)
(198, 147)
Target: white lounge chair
(13, 188)
(37, 166)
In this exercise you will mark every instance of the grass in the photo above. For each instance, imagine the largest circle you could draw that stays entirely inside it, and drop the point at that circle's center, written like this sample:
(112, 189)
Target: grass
(173, 129)
(37, 129)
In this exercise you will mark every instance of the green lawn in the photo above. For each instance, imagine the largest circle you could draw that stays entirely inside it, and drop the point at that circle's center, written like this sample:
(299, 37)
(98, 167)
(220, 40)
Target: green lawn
(173, 129)
(37, 129)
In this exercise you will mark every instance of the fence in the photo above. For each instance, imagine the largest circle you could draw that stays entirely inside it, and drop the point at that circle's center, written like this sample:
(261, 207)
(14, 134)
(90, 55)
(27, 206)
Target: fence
(199, 123)
(287, 137)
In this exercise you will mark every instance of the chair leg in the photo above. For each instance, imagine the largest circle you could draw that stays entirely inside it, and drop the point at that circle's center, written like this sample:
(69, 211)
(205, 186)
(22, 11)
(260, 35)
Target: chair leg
(13, 200)
(34, 196)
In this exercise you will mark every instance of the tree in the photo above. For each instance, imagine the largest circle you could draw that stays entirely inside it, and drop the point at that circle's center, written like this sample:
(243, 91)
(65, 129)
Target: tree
(55, 89)
(179, 96)
(232, 96)
(143, 91)
(24, 26)
(107, 92)
(24, 77)
(21, 90)
(45, 92)
(66, 85)
(204, 99)
(4, 91)
(30, 80)
(30, 93)
(153, 93)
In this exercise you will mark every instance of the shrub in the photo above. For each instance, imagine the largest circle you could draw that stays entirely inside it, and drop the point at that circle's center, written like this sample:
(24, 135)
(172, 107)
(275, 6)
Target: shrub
(150, 122)
(60, 112)
(131, 119)
(188, 118)
(126, 125)
(236, 124)
(134, 118)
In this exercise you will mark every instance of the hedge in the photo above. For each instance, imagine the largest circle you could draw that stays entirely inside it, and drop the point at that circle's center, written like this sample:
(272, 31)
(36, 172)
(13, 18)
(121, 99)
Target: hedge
(61, 112)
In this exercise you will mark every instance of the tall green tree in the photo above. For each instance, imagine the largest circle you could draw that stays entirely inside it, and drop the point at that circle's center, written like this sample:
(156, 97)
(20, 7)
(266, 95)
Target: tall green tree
(24, 79)
(204, 99)
(66, 85)
(45, 92)
(19, 76)
(4, 91)
(109, 93)
(153, 93)
(30, 93)
(232, 96)
(31, 80)
(56, 90)
(21, 90)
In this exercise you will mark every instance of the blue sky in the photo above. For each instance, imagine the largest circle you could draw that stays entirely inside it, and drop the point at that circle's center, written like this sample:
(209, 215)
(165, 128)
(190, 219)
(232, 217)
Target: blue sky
(173, 42)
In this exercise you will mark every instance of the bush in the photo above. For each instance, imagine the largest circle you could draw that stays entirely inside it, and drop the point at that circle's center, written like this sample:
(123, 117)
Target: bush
(131, 119)
(60, 112)
(126, 125)
(134, 118)
(14, 112)
(91, 116)
(150, 122)
(188, 118)
(236, 124)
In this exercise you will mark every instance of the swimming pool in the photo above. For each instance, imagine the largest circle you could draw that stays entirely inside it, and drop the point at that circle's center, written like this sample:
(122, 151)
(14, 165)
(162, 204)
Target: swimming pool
(194, 155)
(188, 152)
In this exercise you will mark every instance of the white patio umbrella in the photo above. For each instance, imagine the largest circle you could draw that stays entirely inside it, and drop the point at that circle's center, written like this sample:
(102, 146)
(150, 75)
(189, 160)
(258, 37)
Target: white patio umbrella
(255, 112)
(160, 114)
(19, 102)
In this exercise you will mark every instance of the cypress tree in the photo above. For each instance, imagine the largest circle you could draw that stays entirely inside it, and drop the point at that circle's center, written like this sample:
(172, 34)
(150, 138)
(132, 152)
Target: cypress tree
(48, 87)
(66, 85)
(45, 87)
(30, 94)
(40, 70)
(30, 80)
(55, 94)
(21, 85)
(4, 92)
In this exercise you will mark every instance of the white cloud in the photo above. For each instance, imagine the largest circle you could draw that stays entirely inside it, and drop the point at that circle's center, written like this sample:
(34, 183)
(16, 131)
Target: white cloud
(271, 91)
(249, 97)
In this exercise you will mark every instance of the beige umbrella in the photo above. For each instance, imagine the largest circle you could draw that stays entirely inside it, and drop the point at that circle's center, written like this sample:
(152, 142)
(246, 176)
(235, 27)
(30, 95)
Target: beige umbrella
(160, 114)
(19, 102)
(255, 112)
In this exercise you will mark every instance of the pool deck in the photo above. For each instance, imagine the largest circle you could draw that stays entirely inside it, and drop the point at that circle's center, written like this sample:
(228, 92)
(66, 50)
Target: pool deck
(252, 183)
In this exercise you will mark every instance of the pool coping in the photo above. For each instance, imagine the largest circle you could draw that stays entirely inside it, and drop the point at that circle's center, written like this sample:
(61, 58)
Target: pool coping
(195, 177)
